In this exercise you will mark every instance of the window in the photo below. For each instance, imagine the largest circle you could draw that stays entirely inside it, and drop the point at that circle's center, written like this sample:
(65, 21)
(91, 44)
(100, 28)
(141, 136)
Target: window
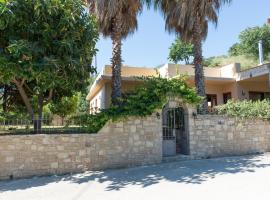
(255, 96)
(226, 97)
(212, 100)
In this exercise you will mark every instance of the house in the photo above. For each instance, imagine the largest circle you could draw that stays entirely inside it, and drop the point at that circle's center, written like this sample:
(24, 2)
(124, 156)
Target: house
(222, 83)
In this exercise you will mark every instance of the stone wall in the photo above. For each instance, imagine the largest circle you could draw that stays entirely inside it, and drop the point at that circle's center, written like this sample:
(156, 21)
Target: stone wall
(214, 135)
(122, 144)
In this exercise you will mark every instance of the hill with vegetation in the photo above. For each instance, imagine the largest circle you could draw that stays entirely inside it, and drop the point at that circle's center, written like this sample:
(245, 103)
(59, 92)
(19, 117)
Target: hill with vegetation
(245, 61)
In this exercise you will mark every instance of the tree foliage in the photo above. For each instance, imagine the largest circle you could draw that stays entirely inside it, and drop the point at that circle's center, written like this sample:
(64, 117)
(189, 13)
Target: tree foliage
(65, 107)
(46, 48)
(235, 50)
(249, 39)
(181, 51)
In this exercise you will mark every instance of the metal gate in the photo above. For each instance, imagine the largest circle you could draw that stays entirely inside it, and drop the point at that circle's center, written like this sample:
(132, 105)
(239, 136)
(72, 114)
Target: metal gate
(175, 137)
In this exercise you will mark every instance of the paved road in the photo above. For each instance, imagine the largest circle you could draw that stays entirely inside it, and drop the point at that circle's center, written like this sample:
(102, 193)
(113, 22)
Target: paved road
(239, 178)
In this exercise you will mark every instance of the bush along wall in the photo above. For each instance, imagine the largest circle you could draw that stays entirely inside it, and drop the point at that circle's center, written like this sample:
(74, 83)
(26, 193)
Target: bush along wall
(143, 101)
(246, 109)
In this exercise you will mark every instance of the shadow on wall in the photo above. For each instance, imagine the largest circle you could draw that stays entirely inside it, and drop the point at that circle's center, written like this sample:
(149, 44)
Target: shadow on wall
(189, 172)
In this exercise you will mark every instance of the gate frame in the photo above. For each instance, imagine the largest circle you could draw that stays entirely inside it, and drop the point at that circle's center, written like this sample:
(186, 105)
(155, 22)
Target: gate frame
(173, 103)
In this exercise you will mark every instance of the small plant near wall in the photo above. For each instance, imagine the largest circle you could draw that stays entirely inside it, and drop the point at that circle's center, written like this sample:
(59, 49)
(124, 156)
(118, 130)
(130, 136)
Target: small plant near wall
(143, 101)
(246, 109)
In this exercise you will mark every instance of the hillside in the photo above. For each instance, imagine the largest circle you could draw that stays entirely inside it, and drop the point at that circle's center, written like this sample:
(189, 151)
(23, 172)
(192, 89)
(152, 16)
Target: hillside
(246, 62)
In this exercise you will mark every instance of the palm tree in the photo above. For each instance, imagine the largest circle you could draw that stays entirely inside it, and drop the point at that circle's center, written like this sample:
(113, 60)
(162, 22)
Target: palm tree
(189, 19)
(116, 19)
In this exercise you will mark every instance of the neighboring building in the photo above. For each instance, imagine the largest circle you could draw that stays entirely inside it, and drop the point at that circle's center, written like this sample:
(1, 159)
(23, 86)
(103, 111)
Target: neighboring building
(222, 83)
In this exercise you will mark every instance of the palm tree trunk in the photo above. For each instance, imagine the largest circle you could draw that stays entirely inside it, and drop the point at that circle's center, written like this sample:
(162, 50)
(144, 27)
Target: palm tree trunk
(199, 73)
(116, 60)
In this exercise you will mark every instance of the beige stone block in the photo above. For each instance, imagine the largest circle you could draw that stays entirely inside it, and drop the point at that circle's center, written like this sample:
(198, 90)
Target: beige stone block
(9, 159)
(62, 155)
(139, 126)
(149, 144)
(242, 135)
(40, 148)
(28, 142)
(118, 130)
(33, 147)
(45, 141)
(82, 153)
(130, 141)
(67, 160)
(138, 143)
(136, 137)
(137, 121)
(133, 129)
(11, 147)
(119, 124)
(60, 148)
(72, 139)
(105, 129)
(212, 138)
(101, 153)
(54, 165)
(230, 136)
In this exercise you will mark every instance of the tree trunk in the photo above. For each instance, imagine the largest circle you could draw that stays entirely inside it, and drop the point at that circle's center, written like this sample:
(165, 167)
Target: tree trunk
(5, 98)
(24, 98)
(38, 120)
(62, 120)
(116, 60)
(199, 72)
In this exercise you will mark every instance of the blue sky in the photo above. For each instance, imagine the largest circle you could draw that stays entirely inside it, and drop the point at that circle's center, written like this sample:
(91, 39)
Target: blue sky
(149, 45)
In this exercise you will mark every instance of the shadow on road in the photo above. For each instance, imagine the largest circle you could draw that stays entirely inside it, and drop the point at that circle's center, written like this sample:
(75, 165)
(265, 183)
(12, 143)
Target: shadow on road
(188, 172)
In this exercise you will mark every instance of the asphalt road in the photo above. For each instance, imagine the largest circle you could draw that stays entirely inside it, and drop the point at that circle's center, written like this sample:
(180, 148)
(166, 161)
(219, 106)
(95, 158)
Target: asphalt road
(246, 177)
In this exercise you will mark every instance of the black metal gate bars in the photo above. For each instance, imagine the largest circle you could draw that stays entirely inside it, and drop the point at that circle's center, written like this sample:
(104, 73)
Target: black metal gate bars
(175, 138)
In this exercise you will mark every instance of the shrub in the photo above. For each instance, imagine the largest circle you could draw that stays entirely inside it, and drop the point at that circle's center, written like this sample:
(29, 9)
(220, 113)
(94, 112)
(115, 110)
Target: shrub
(13, 116)
(92, 123)
(246, 109)
(142, 101)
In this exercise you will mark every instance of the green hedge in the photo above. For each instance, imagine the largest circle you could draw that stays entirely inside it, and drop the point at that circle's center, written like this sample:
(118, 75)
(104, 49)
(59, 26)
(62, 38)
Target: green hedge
(246, 109)
(144, 100)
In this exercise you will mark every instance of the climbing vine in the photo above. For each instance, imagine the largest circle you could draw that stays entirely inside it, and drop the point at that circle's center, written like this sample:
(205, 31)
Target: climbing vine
(151, 94)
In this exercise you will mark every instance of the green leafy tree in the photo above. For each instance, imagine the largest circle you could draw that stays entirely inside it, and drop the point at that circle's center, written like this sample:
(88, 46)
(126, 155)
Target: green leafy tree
(249, 39)
(235, 50)
(46, 48)
(180, 51)
(117, 19)
(211, 62)
(65, 107)
(83, 107)
(190, 20)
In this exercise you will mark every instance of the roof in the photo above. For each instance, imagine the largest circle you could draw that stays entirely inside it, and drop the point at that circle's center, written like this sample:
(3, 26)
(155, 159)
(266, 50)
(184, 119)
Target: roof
(128, 73)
